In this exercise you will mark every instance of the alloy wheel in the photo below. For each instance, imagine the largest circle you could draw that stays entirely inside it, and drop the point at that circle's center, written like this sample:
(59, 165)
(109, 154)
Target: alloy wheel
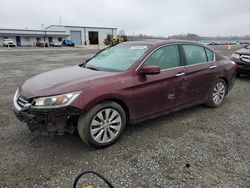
(219, 93)
(106, 125)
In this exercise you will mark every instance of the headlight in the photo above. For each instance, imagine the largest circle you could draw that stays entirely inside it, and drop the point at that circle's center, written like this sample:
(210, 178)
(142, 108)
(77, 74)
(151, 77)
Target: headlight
(55, 101)
(234, 55)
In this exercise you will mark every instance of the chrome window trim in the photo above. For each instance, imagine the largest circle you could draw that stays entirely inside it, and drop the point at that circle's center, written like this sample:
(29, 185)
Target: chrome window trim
(213, 53)
(172, 68)
(199, 63)
(164, 45)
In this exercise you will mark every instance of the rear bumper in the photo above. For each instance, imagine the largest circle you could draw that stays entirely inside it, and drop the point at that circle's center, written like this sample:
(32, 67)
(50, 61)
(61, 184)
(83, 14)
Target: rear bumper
(49, 121)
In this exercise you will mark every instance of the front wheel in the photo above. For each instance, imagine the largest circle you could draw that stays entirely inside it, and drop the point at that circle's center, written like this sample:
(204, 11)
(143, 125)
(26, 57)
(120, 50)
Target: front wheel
(102, 125)
(217, 94)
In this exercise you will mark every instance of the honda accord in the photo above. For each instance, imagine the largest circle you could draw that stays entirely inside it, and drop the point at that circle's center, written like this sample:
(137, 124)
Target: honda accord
(126, 83)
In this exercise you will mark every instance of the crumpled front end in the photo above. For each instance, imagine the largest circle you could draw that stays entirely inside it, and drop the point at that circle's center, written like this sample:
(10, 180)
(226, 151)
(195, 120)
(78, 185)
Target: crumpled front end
(46, 121)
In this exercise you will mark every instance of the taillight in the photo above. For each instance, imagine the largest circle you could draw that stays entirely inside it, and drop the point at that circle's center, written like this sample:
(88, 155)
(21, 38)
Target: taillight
(234, 65)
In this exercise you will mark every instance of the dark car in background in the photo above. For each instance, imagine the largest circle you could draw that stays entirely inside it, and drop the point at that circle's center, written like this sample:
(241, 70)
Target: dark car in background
(242, 58)
(67, 42)
(127, 83)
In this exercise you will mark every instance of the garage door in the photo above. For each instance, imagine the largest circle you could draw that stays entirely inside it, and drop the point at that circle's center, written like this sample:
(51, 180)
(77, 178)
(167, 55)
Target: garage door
(76, 37)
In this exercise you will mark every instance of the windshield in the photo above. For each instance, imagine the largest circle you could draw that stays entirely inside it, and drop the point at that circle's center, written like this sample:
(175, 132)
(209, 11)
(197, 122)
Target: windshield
(117, 58)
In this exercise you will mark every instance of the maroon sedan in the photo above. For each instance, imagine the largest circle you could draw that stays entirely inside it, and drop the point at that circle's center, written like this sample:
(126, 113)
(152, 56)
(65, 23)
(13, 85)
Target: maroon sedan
(41, 43)
(127, 83)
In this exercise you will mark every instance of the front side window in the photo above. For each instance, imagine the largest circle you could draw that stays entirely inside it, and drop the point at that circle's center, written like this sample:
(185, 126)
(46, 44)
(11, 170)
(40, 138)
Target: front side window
(165, 57)
(117, 58)
(194, 54)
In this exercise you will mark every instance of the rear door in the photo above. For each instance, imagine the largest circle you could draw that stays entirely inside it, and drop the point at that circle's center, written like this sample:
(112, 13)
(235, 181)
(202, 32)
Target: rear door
(200, 72)
(154, 94)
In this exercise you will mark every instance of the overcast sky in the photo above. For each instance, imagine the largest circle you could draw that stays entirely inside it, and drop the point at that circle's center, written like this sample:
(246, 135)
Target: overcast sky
(152, 17)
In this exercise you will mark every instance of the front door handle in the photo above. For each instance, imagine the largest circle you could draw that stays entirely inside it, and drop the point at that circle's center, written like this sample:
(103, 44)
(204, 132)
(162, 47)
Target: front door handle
(180, 74)
(213, 67)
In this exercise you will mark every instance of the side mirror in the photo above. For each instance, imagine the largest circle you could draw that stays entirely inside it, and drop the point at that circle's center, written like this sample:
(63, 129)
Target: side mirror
(84, 63)
(150, 70)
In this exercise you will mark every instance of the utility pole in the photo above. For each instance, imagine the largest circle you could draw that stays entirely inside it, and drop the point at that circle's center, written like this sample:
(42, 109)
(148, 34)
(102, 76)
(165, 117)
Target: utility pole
(60, 20)
(42, 26)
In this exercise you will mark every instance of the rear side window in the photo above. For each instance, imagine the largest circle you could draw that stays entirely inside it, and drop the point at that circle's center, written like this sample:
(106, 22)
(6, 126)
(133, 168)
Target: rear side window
(165, 57)
(194, 54)
(210, 55)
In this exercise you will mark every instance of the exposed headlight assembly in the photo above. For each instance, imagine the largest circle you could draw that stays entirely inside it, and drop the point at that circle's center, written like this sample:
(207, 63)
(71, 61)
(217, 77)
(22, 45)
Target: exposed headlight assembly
(55, 101)
(234, 55)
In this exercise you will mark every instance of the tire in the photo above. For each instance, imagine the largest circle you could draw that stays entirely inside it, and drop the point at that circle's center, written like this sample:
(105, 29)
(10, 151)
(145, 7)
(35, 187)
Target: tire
(103, 132)
(217, 94)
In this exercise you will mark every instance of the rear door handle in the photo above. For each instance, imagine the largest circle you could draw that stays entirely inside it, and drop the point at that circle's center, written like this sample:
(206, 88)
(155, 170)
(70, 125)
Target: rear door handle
(213, 67)
(180, 74)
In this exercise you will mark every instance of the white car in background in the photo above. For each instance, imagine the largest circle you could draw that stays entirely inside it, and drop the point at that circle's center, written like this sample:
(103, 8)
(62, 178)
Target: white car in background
(8, 42)
(56, 44)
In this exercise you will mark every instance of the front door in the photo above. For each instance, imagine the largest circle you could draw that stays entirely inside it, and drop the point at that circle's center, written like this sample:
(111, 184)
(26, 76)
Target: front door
(93, 37)
(155, 94)
(50, 39)
(18, 41)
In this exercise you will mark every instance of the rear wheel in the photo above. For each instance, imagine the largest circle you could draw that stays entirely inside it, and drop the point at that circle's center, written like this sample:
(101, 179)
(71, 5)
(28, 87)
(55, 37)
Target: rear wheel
(217, 94)
(102, 125)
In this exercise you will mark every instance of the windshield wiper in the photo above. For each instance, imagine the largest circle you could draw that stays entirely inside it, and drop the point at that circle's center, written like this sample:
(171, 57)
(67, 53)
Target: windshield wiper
(93, 68)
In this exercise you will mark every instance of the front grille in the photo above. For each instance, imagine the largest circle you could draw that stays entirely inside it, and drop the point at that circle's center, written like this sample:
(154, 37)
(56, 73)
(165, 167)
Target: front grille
(245, 58)
(21, 101)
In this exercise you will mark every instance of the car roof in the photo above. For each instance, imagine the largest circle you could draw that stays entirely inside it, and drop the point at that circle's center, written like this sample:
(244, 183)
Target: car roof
(155, 42)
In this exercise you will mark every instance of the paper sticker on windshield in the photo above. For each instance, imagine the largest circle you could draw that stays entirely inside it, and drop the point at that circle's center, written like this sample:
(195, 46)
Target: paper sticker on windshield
(138, 47)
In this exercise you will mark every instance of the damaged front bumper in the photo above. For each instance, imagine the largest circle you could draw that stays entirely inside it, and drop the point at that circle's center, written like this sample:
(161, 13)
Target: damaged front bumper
(48, 121)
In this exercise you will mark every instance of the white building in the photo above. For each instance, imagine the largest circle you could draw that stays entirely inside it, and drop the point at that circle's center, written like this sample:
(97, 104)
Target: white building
(80, 35)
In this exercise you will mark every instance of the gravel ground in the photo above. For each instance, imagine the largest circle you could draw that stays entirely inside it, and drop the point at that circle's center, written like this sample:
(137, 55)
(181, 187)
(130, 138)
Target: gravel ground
(196, 147)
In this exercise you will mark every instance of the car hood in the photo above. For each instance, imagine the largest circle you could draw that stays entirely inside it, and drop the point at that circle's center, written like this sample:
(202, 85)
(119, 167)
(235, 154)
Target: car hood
(243, 51)
(59, 81)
